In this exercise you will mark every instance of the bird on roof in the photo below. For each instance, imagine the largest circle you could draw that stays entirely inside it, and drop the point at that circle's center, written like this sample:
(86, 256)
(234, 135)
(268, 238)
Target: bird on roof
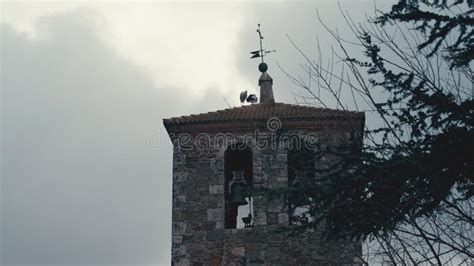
(243, 96)
(252, 98)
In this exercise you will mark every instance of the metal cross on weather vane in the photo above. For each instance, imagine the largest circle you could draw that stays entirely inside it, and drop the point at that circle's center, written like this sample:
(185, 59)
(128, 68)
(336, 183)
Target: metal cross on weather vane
(262, 52)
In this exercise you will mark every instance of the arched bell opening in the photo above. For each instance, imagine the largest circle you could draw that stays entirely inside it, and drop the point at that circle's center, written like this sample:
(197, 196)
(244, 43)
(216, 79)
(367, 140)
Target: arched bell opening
(238, 171)
(300, 170)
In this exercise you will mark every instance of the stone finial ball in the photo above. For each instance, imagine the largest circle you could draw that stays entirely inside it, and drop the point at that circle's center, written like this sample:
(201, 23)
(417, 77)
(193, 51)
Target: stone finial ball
(263, 67)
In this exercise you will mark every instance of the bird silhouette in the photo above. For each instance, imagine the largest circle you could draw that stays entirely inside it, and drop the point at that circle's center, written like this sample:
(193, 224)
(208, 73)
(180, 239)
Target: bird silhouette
(247, 221)
(243, 96)
(252, 98)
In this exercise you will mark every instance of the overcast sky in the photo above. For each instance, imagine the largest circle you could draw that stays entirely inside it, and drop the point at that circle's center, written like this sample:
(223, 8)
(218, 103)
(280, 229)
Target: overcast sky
(86, 162)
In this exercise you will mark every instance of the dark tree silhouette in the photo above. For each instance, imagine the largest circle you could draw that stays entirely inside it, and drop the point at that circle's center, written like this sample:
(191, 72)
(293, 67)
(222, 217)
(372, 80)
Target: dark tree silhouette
(409, 186)
(438, 21)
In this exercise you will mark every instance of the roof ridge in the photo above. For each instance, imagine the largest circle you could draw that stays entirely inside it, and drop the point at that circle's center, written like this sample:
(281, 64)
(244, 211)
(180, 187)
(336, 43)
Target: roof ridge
(263, 111)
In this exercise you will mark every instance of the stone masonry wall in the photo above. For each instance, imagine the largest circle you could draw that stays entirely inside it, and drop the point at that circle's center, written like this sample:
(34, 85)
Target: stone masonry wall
(198, 233)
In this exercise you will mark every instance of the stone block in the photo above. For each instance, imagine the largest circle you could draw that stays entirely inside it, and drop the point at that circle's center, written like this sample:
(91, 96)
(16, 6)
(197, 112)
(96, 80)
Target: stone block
(272, 253)
(220, 202)
(238, 251)
(215, 235)
(179, 250)
(260, 219)
(267, 159)
(251, 246)
(279, 165)
(257, 204)
(182, 262)
(276, 205)
(276, 237)
(180, 176)
(252, 254)
(179, 159)
(281, 171)
(282, 157)
(318, 257)
(179, 228)
(177, 239)
(215, 214)
(261, 178)
(272, 218)
(215, 260)
(216, 189)
(256, 262)
(178, 215)
(283, 218)
(179, 202)
(258, 170)
(277, 184)
(216, 165)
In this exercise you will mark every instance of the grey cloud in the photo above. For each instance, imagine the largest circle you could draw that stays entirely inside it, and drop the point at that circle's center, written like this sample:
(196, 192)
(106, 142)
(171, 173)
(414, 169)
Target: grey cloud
(80, 181)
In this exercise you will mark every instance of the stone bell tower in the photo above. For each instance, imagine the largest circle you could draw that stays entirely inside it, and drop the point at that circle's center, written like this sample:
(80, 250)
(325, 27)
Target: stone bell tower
(220, 156)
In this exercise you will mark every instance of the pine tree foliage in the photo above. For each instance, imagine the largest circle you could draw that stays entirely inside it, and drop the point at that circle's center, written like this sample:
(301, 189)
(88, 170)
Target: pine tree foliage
(409, 182)
(431, 18)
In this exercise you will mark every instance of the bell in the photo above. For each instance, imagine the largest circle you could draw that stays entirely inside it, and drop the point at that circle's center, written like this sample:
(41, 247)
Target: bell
(237, 194)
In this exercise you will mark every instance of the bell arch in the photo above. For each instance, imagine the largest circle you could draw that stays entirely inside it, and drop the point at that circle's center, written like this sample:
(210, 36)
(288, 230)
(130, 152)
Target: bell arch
(301, 169)
(238, 173)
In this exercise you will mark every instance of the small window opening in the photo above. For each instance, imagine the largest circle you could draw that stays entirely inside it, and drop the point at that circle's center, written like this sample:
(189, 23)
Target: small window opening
(300, 170)
(238, 171)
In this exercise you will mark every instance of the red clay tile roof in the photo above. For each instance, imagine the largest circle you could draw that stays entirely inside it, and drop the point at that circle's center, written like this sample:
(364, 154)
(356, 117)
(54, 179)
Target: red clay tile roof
(263, 112)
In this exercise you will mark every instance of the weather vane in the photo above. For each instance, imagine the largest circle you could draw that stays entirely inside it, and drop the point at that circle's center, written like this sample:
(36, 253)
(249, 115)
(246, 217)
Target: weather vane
(261, 53)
